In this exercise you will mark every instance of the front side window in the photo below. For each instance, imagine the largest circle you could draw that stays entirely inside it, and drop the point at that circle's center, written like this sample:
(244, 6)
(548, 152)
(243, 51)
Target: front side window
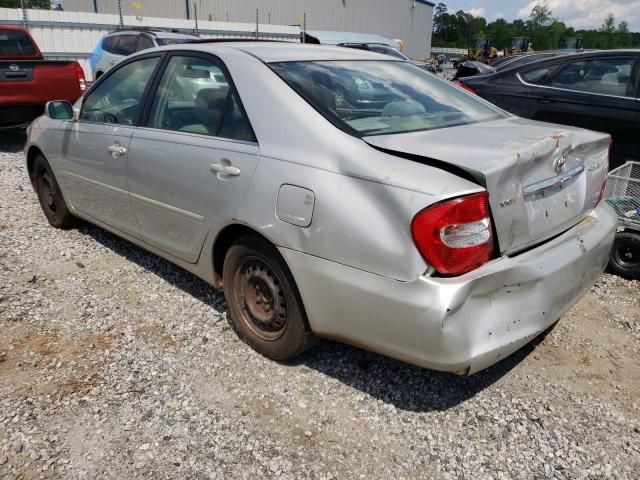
(195, 96)
(382, 97)
(537, 76)
(119, 96)
(608, 76)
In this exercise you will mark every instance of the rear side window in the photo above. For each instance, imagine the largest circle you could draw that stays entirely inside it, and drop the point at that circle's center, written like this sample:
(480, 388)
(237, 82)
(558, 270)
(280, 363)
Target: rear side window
(144, 43)
(195, 96)
(607, 76)
(15, 43)
(127, 45)
(118, 97)
(110, 44)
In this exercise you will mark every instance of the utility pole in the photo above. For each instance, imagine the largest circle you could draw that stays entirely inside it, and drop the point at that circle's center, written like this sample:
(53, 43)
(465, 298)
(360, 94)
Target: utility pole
(25, 16)
(257, 21)
(195, 15)
(304, 27)
(120, 13)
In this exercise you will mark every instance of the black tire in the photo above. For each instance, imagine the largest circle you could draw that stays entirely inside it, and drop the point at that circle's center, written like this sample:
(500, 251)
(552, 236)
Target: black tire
(265, 305)
(625, 256)
(50, 197)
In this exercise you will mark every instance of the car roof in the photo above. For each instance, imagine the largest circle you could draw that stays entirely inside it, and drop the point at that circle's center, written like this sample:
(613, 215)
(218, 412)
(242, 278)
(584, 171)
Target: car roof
(284, 51)
(564, 56)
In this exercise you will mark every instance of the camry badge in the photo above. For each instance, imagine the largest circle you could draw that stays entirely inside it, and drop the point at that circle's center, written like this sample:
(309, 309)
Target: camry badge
(559, 164)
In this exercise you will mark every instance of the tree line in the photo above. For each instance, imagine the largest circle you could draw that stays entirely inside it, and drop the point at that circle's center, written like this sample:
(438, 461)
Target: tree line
(42, 4)
(460, 29)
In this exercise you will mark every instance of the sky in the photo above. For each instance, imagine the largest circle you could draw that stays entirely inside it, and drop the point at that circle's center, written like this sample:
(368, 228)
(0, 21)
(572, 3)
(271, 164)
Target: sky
(575, 13)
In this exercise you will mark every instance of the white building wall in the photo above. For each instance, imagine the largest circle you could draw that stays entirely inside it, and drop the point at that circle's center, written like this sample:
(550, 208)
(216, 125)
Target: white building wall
(408, 20)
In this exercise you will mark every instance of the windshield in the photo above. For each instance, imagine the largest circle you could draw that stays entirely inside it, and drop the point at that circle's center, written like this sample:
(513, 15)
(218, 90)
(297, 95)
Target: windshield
(174, 41)
(15, 42)
(517, 43)
(480, 43)
(383, 97)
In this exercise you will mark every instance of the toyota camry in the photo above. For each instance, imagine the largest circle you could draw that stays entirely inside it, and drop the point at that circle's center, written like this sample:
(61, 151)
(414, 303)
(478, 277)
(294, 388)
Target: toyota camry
(420, 221)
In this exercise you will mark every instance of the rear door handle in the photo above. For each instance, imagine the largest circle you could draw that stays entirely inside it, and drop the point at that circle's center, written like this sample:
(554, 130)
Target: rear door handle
(545, 100)
(225, 169)
(117, 150)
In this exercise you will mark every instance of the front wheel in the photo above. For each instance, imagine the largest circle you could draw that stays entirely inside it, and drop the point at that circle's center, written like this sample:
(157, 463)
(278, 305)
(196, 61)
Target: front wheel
(50, 196)
(266, 308)
(625, 256)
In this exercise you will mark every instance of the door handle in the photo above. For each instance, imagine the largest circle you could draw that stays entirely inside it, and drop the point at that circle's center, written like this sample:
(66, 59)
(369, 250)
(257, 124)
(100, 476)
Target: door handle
(545, 100)
(117, 150)
(225, 169)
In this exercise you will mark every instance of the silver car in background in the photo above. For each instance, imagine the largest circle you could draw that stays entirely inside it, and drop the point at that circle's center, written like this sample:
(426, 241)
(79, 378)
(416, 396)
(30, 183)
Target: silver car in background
(423, 223)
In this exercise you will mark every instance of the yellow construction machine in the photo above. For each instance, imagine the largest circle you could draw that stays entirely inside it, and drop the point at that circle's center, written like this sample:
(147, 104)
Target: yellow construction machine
(482, 51)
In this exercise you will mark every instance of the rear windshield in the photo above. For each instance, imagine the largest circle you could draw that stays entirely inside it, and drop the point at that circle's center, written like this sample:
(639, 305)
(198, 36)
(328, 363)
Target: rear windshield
(15, 43)
(173, 41)
(383, 97)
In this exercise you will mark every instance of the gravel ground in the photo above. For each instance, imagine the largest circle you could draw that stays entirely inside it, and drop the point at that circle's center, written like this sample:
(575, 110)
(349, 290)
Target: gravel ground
(114, 364)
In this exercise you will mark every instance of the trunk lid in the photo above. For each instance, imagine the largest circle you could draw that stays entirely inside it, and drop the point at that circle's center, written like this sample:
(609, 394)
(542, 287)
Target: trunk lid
(542, 179)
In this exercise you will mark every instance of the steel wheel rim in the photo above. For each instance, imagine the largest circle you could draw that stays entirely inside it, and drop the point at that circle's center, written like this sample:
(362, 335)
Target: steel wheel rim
(47, 192)
(625, 256)
(261, 298)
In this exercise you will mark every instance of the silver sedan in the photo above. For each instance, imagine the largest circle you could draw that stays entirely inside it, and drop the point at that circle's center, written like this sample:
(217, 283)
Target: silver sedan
(335, 193)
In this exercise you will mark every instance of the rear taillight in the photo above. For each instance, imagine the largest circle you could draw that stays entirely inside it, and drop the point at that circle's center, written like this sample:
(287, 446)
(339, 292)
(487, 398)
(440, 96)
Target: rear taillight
(455, 236)
(82, 82)
(466, 87)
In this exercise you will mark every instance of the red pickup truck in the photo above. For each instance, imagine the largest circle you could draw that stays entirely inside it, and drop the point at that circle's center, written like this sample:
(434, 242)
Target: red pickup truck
(28, 81)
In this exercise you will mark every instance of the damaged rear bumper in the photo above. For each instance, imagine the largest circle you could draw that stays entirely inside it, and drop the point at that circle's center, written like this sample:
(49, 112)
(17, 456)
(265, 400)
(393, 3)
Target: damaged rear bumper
(461, 324)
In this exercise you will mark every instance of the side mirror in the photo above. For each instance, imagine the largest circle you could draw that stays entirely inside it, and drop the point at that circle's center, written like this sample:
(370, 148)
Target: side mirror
(59, 110)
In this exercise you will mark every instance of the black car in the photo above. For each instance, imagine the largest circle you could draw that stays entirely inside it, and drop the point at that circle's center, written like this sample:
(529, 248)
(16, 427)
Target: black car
(598, 90)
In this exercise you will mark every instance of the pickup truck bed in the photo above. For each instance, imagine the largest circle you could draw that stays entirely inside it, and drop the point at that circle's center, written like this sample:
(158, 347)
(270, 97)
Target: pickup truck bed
(27, 81)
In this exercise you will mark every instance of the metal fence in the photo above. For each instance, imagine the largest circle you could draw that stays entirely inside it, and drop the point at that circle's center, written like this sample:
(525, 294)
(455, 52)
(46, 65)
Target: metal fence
(623, 193)
(73, 35)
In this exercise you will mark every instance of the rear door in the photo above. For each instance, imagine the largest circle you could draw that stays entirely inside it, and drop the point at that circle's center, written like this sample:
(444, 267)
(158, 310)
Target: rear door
(594, 93)
(95, 148)
(195, 157)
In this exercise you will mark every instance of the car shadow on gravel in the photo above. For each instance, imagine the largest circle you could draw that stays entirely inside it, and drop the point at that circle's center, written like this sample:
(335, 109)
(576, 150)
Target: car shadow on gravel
(164, 269)
(404, 386)
(12, 141)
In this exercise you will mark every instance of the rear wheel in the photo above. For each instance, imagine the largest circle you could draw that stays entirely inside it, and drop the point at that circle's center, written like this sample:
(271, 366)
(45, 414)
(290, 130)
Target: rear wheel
(625, 256)
(50, 197)
(266, 309)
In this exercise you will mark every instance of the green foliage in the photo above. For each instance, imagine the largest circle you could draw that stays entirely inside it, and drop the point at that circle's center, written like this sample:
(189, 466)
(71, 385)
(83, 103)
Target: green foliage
(460, 29)
(41, 4)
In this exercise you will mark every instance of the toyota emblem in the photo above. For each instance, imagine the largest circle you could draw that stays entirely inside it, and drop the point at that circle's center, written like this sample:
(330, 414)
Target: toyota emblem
(559, 164)
(14, 67)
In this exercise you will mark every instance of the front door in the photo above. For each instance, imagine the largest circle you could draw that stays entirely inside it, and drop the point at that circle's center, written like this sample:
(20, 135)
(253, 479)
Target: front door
(95, 148)
(193, 160)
